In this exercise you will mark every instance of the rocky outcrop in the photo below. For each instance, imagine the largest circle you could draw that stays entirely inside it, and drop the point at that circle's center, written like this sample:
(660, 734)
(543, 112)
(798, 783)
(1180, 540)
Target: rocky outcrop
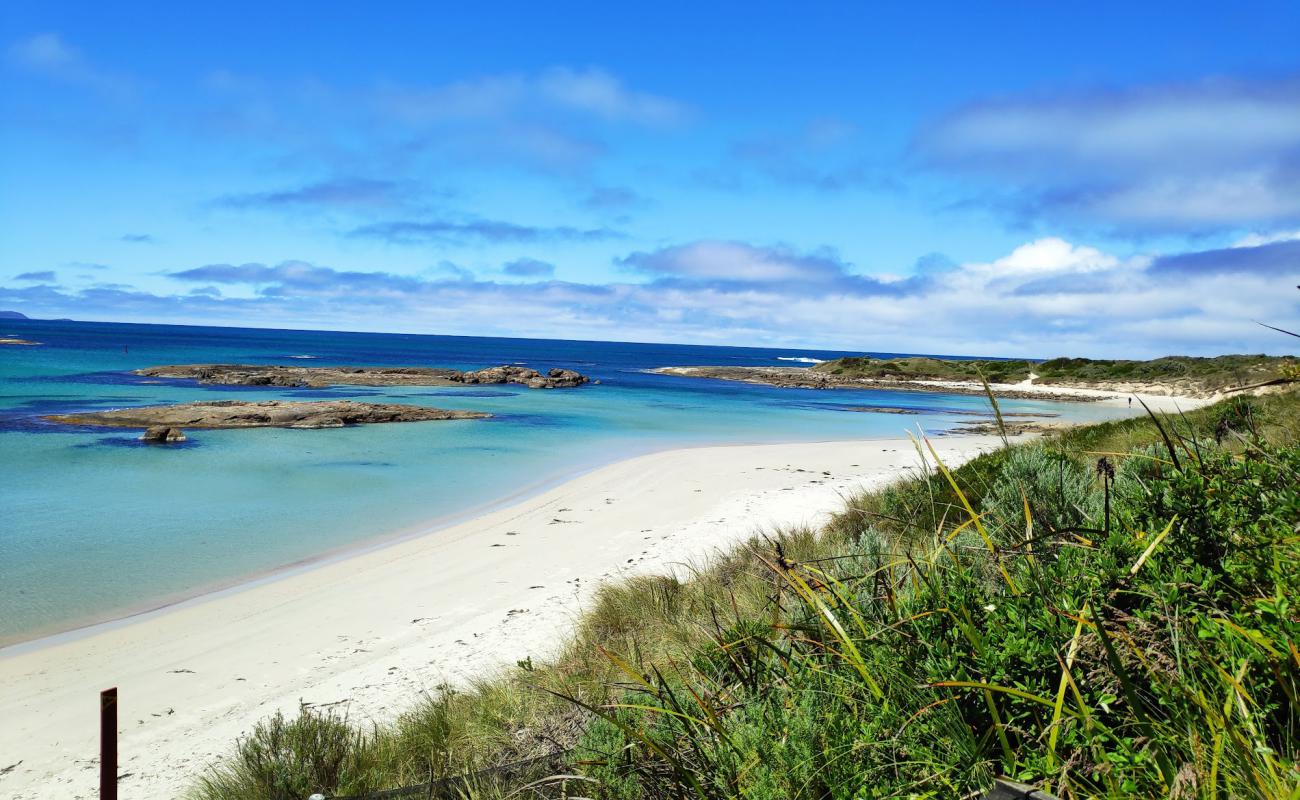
(264, 414)
(555, 379)
(320, 377)
(162, 434)
(303, 377)
(9, 340)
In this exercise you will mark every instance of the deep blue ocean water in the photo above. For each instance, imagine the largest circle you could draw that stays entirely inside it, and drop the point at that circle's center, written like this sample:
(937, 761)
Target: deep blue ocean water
(95, 524)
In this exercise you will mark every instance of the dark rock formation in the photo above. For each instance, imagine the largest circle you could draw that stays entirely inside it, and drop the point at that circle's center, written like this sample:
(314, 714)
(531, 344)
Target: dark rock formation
(320, 377)
(162, 434)
(265, 414)
(555, 379)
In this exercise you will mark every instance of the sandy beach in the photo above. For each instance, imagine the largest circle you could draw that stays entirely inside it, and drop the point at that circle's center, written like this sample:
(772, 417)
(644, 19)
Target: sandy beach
(374, 630)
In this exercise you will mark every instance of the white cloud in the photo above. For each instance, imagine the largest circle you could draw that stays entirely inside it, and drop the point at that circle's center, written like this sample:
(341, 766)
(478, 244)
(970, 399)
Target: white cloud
(1257, 239)
(1046, 298)
(1196, 155)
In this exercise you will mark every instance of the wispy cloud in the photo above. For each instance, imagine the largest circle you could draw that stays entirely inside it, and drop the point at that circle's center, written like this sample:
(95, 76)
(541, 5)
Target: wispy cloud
(825, 155)
(1194, 156)
(138, 238)
(739, 264)
(476, 230)
(590, 92)
(44, 276)
(1278, 259)
(528, 268)
(338, 193)
(48, 55)
(612, 198)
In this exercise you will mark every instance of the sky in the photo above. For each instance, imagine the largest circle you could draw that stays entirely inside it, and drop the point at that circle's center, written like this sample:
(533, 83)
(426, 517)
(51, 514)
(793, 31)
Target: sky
(1108, 180)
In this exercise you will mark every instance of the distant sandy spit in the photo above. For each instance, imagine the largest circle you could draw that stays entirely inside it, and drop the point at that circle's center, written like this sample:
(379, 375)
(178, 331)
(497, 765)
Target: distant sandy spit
(373, 631)
(1119, 394)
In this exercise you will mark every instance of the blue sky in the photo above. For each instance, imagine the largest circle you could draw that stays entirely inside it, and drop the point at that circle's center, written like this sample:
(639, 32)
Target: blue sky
(996, 179)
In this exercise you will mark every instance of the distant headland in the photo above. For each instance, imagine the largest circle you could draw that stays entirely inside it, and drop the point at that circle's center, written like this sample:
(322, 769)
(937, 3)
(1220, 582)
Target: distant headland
(1055, 379)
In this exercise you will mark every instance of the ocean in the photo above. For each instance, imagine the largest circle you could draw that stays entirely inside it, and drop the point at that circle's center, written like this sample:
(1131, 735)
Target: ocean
(95, 525)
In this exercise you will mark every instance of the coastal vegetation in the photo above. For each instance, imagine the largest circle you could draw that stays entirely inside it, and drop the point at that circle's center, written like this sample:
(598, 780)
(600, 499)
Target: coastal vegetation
(1108, 611)
(1177, 375)
(1207, 374)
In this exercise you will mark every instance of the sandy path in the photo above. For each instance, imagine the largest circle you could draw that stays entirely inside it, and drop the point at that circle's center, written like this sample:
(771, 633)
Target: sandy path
(378, 628)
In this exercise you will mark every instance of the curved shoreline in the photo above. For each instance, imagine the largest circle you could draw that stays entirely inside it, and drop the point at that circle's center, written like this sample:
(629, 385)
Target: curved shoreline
(376, 629)
(81, 627)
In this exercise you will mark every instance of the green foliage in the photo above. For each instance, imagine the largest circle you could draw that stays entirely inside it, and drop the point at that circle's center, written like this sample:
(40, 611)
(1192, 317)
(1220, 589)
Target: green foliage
(1197, 374)
(1059, 491)
(1208, 373)
(1147, 649)
(923, 368)
(289, 760)
(1157, 660)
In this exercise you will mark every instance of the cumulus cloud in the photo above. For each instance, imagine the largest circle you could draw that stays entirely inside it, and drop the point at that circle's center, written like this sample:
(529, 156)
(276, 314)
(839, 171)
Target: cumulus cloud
(1045, 298)
(528, 268)
(476, 230)
(1192, 156)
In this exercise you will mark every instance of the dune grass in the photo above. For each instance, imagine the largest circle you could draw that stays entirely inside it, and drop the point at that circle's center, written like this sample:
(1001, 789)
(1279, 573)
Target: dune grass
(1107, 612)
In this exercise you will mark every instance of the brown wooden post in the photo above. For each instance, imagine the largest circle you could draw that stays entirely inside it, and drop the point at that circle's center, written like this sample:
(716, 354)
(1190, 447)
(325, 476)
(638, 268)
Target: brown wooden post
(108, 744)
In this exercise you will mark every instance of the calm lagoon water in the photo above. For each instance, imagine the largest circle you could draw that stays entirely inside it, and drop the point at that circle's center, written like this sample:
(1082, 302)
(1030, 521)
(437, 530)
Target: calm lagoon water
(94, 524)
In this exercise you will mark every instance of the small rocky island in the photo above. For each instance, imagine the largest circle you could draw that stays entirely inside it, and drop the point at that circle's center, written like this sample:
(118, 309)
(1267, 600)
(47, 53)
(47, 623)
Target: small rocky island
(263, 414)
(320, 377)
(9, 340)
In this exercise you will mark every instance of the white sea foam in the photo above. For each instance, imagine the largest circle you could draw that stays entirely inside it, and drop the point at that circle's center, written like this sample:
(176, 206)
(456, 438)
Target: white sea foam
(802, 359)
(302, 356)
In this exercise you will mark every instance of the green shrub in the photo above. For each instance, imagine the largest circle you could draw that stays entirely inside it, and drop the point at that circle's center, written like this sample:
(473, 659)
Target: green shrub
(292, 759)
(1060, 493)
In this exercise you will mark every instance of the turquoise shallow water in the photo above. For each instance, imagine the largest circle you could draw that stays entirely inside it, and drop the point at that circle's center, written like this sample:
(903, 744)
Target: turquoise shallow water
(95, 525)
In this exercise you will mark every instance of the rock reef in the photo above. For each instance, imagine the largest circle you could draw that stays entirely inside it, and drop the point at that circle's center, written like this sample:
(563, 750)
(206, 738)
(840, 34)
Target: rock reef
(264, 414)
(320, 377)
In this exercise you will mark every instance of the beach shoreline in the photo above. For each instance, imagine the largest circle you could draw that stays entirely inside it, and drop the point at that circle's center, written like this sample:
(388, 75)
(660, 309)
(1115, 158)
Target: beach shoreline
(377, 628)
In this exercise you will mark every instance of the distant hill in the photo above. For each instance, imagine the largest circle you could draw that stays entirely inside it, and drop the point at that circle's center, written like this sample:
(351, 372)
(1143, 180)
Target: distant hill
(13, 315)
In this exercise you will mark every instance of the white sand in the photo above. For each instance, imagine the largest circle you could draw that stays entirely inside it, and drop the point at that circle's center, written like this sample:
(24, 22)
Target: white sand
(376, 629)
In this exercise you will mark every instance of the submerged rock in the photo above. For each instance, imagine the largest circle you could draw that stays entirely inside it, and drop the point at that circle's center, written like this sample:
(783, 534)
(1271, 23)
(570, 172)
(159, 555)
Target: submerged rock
(162, 434)
(264, 414)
